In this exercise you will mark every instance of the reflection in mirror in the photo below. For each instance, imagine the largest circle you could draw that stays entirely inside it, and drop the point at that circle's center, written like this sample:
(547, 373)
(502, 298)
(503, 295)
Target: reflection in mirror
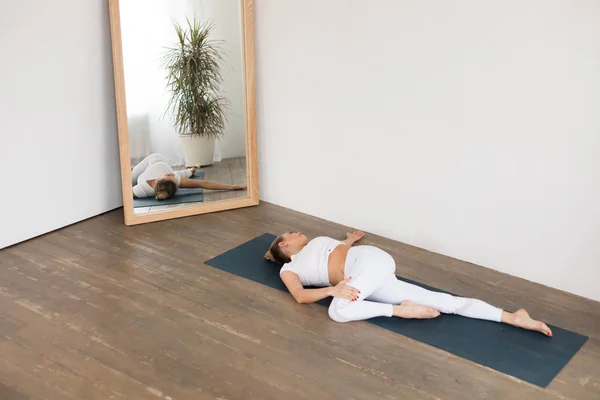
(184, 89)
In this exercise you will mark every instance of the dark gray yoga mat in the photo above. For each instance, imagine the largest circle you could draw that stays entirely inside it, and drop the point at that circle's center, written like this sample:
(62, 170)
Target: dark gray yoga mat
(180, 197)
(526, 355)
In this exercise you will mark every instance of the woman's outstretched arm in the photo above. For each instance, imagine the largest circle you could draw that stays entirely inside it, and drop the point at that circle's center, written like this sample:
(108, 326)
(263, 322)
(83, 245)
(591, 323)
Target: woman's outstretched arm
(305, 296)
(202, 184)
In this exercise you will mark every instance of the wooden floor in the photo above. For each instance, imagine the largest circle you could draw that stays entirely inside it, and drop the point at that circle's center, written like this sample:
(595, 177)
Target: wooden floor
(231, 171)
(99, 310)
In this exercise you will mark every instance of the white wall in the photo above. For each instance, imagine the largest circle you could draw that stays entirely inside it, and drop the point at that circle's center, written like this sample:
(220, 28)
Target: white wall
(465, 127)
(60, 159)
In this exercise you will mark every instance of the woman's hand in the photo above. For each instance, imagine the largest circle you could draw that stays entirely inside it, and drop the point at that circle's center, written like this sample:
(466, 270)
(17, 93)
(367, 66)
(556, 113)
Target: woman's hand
(192, 170)
(344, 291)
(354, 237)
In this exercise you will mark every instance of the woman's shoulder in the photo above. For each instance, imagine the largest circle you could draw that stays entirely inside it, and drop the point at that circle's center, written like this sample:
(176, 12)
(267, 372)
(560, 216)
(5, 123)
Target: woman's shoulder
(287, 267)
(143, 189)
(323, 240)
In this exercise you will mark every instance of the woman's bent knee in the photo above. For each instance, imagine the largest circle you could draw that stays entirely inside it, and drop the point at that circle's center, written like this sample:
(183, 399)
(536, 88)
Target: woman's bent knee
(337, 311)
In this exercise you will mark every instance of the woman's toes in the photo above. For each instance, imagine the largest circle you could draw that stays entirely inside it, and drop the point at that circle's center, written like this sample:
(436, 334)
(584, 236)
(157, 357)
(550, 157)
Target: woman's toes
(545, 329)
(523, 320)
(433, 312)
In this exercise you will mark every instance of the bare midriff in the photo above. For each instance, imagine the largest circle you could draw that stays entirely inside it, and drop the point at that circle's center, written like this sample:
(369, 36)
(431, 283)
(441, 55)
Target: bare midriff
(336, 263)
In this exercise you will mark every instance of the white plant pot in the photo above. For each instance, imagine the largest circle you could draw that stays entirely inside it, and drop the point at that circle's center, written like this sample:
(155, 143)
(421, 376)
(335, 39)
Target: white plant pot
(197, 151)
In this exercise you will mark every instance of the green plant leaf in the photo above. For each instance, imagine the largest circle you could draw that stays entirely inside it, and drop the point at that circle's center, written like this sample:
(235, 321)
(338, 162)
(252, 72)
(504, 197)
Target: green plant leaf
(193, 80)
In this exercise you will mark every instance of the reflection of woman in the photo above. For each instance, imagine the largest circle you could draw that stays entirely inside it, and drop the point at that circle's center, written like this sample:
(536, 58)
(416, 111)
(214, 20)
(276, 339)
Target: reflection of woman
(155, 177)
(375, 292)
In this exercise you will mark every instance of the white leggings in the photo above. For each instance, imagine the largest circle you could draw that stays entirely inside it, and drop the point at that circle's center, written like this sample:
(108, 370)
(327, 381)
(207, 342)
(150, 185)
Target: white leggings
(373, 274)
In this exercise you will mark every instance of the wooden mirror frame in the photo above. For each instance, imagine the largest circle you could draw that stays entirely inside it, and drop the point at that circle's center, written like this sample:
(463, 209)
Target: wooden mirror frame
(250, 117)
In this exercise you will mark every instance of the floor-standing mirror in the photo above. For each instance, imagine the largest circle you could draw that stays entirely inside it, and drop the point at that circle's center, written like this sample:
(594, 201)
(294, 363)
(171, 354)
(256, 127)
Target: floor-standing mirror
(184, 82)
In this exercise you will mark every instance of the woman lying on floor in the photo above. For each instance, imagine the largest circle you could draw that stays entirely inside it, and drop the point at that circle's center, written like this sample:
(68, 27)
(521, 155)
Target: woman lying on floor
(363, 283)
(154, 177)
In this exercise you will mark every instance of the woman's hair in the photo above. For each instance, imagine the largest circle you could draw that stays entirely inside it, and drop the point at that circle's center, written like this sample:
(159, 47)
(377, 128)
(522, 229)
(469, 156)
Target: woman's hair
(165, 189)
(275, 253)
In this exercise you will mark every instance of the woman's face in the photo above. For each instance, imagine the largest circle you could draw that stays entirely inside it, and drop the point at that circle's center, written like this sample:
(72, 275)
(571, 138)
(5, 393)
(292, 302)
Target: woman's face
(294, 240)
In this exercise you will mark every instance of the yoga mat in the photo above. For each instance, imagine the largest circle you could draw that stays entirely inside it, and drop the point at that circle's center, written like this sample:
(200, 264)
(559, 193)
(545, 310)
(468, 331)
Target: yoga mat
(181, 196)
(526, 355)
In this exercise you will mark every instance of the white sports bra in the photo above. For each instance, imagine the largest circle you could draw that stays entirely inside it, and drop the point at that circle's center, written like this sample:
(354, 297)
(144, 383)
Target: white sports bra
(310, 264)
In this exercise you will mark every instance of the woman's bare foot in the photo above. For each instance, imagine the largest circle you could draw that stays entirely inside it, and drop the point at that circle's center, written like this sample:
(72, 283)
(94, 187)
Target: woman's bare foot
(521, 319)
(239, 187)
(408, 309)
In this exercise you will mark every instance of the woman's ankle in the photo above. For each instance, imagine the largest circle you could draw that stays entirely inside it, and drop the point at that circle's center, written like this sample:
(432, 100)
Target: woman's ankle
(508, 318)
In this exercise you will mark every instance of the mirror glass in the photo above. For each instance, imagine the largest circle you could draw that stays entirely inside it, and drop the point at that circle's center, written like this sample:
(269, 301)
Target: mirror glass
(183, 67)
